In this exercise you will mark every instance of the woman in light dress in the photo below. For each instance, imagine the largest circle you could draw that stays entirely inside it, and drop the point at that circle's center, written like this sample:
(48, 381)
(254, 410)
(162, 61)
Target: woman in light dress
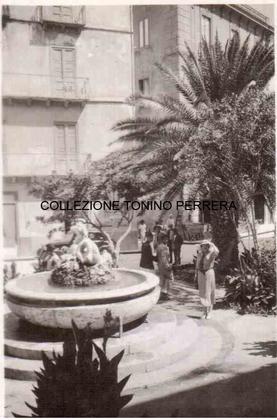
(204, 275)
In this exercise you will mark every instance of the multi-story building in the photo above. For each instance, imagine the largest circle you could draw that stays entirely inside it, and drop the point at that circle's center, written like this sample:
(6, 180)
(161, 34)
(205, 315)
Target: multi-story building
(160, 32)
(67, 71)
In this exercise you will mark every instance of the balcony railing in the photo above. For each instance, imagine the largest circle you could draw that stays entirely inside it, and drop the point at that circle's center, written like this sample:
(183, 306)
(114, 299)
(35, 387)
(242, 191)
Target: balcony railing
(33, 86)
(63, 15)
(39, 164)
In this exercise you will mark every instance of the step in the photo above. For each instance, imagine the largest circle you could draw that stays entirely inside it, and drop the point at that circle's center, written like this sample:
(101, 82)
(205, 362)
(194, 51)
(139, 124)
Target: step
(143, 361)
(176, 348)
(28, 345)
(201, 354)
(167, 363)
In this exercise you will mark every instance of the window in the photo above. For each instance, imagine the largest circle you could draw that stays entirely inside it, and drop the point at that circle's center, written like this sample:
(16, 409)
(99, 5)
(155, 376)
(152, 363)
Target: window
(63, 12)
(259, 208)
(144, 33)
(144, 86)
(206, 28)
(65, 150)
(9, 219)
(63, 70)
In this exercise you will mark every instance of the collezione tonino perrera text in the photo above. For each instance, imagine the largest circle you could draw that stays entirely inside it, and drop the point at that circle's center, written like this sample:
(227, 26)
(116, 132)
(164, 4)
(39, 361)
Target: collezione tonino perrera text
(76, 205)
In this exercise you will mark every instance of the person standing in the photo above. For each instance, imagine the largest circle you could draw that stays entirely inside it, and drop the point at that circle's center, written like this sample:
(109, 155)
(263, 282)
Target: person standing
(142, 228)
(147, 258)
(177, 245)
(170, 224)
(205, 276)
(156, 235)
(164, 265)
(170, 234)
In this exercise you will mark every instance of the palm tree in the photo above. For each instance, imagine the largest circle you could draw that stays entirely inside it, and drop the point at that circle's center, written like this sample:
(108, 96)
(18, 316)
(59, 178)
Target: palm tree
(161, 141)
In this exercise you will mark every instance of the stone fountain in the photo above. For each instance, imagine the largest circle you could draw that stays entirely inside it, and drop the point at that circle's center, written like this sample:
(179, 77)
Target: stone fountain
(130, 296)
(155, 346)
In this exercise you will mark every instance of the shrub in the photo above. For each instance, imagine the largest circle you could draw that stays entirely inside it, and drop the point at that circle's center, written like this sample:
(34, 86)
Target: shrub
(75, 384)
(252, 288)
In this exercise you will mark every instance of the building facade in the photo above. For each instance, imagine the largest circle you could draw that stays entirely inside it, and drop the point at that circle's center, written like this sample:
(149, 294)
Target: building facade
(160, 32)
(67, 71)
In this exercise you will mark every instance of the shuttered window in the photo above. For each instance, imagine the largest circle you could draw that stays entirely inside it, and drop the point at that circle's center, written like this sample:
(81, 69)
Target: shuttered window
(144, 33)
(65, 152)
(63, 70)
(206, 28)
(144, 86)
(62, 12)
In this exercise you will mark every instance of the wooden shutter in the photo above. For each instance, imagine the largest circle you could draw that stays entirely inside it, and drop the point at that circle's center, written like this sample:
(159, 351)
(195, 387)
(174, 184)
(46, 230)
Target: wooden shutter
(71, 146)
(66, 13)
(146, 32)
(141, 37)
(206, 28)
(65, 147)
(57, 70)
(60, 149)
(63, 71)
(62, 13)
(56, 10)
(68, 63)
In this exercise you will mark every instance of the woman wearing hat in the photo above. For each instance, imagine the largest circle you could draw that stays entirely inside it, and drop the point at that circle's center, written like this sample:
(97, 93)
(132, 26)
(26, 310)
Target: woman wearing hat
(205, 276)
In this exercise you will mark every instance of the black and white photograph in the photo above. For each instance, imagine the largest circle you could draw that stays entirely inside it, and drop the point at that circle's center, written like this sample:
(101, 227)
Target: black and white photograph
(138, 209)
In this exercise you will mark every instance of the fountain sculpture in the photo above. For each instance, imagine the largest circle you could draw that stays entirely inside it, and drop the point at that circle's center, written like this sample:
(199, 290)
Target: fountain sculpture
(82, 287)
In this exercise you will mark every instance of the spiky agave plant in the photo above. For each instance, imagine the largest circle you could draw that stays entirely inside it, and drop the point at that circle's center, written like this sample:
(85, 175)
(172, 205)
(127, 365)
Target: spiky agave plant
(75, 384)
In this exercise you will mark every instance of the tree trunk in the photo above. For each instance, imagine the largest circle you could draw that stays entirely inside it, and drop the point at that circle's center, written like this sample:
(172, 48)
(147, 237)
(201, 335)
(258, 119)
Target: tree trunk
(225, 237)
(119, 241)
(67, 221)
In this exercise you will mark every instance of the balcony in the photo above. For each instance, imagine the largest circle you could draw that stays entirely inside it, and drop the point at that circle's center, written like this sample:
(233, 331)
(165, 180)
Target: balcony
(45, 88)
(38, 164)
(73, 16)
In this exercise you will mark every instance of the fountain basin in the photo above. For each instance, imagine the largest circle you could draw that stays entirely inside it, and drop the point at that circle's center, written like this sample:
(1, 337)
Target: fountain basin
(131, 297)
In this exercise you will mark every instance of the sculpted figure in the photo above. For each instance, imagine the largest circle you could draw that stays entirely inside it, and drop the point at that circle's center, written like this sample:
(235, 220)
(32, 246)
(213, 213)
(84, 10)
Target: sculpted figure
(85, 250)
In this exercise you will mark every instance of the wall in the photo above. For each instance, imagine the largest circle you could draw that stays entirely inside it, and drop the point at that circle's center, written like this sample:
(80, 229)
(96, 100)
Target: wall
(100, 54)
(103, 57)
(103, 61)
(28, 135)
(162, 48)
(170, 26)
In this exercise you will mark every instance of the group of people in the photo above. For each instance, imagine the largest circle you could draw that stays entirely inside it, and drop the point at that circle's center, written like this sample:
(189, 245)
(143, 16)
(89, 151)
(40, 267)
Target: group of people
(159, 245)
(174, 242)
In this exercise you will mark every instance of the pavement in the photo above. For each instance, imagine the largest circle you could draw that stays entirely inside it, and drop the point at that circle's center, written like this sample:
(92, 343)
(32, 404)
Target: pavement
(240, 381)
